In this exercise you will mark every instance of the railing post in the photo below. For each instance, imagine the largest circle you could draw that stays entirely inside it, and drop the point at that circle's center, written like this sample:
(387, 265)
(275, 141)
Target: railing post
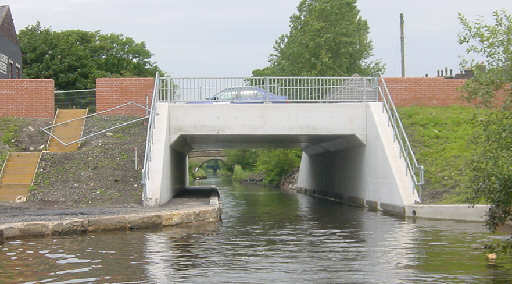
(169, 91)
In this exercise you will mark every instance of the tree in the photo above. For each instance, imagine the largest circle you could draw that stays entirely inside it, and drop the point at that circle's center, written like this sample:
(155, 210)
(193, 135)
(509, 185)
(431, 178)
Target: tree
(492, 163)
(75, 58)
(326, 38)
(493, 43)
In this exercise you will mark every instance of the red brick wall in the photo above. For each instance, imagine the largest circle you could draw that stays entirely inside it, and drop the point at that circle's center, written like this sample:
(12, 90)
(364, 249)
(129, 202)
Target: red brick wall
(425, 91)
(111, 92)
(28, 98)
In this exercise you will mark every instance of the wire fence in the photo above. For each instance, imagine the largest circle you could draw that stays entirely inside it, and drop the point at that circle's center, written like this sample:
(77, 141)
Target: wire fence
(81, 99)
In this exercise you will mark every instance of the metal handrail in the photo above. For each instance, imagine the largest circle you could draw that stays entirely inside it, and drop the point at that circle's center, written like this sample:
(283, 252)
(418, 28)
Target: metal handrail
(414, 169)
(149, 135)
(276, 89)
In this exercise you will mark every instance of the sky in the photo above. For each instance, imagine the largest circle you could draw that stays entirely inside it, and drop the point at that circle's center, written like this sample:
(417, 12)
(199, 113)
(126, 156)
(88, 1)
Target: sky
(233, 37)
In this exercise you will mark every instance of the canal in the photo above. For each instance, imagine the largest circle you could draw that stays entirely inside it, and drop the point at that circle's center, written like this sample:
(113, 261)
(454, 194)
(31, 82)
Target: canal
(266, 236)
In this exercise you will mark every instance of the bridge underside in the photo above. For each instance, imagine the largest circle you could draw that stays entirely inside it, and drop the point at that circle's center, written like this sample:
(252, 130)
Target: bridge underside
(331, 142)
(349, 151)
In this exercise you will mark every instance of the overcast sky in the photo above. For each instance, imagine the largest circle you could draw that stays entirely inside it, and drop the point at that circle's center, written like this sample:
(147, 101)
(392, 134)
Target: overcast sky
(233, 37)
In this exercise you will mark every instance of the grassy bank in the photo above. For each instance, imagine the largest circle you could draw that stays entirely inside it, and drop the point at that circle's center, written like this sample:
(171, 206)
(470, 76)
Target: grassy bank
(441, 140)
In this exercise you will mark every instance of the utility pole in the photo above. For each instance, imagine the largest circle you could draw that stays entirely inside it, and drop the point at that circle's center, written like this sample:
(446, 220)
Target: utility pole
(402, 43)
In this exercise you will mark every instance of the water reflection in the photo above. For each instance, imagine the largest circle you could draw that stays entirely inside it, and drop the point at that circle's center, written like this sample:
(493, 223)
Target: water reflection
(266, 236)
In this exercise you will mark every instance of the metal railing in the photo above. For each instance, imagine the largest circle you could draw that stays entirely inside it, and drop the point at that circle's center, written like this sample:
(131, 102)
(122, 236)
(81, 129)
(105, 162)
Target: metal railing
(275, 89)
(149, 135)
(414, 169)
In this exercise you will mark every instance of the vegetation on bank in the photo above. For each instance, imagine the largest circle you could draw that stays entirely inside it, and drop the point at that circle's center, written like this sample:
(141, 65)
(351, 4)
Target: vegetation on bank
(8, 133)
(195, 172)
(268, 165)
(491, 165)
(21, 135)
(441, 139)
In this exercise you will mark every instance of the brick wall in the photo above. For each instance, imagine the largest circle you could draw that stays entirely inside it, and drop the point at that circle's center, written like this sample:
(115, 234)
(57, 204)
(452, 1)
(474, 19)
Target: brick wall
(425, 91)
(111, 92)
(27, 98)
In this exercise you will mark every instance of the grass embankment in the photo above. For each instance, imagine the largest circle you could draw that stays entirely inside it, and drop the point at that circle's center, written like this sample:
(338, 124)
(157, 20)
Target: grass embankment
(441, 140)
(100, 174)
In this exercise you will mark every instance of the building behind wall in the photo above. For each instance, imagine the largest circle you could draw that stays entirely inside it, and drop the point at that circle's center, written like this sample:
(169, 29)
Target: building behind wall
(10, 52)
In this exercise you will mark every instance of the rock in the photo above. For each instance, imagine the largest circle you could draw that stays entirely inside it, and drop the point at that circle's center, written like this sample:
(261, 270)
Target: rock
(109, 134)
(31, 148)
(21, 198)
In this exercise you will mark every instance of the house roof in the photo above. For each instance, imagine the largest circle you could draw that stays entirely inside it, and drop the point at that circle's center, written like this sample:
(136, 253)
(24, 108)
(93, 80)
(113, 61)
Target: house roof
(3, 12)
(7, 28)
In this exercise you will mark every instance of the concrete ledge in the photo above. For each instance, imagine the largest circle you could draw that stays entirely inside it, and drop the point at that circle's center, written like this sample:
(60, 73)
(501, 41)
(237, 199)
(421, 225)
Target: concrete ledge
(462, 212)
(355, 201)
(144, 220)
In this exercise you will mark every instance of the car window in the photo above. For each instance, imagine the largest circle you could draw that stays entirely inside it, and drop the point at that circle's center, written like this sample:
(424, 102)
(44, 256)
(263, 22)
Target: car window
(227, 95)
(250, 94)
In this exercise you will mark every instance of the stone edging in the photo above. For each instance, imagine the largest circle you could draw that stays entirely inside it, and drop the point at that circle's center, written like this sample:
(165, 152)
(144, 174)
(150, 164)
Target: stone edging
(166, 217)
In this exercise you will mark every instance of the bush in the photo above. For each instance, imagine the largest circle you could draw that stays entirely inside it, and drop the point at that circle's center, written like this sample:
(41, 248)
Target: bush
(239, 174)
(277, 163)
(492, 166)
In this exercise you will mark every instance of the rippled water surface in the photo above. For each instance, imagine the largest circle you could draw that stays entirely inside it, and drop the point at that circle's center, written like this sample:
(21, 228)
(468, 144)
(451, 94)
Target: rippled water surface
(266, 236)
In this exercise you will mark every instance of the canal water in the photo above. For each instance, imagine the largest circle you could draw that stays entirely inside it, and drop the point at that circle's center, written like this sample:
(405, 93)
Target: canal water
(266, 236)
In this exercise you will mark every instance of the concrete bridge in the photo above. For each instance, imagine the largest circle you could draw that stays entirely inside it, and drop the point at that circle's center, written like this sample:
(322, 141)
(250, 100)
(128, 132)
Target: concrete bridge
(354, 145)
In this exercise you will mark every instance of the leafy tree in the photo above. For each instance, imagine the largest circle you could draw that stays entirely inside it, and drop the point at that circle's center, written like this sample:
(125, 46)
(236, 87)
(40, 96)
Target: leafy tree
(492, 164)
(326, 38)
(493, 43)
(75, 58)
